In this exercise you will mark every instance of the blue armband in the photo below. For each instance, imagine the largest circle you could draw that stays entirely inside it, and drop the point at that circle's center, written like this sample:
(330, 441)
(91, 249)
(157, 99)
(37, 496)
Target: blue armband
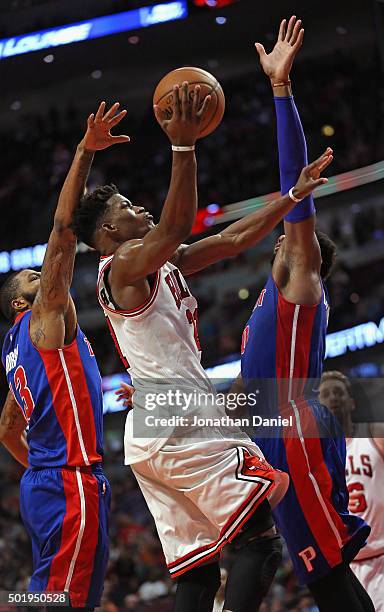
(292, 155)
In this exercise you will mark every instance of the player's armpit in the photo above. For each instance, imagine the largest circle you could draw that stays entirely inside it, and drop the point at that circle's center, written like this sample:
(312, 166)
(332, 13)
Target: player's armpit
(12, 427)
(301, 242)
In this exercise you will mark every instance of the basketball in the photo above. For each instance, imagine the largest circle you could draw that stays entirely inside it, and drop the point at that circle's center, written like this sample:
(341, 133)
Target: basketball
(209, 86)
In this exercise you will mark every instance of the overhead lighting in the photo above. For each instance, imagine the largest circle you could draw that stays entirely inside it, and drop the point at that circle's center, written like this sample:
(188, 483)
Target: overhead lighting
(328, 130)
(213, 208)
(243, 293)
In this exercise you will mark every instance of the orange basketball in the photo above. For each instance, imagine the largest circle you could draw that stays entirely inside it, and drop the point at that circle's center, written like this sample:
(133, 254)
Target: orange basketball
(208, 85)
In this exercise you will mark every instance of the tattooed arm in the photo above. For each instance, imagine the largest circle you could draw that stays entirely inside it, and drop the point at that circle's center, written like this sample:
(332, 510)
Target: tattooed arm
(53, 321)
(12, 430)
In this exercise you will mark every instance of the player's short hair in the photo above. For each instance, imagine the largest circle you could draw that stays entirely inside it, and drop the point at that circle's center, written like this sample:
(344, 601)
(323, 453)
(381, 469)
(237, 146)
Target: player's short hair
(90, 212)
(336, 375)
(328, 254)
(9, 291)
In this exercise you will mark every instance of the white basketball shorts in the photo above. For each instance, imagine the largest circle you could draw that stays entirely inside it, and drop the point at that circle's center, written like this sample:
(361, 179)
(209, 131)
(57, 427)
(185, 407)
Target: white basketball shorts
(201, 493)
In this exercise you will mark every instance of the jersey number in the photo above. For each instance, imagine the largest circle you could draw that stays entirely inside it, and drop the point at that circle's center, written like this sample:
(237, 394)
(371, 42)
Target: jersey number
(20, 380)
(358, 503)
(192, 320)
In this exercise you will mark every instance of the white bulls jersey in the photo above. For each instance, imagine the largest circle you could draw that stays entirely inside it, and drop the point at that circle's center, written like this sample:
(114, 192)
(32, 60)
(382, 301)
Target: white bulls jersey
(159, 345)
(365, 477)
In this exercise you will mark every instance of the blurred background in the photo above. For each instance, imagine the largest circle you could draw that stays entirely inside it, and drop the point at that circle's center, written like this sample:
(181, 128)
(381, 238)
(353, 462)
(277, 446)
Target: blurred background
(57, 61)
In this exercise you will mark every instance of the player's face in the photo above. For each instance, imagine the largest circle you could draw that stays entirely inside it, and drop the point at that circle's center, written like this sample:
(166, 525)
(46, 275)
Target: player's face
(334, 395)
(131, 221)
(29, 283)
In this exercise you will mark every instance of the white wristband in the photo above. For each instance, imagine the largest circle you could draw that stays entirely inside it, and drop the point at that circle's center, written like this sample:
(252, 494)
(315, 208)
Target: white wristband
(293, 198)
(176, 148)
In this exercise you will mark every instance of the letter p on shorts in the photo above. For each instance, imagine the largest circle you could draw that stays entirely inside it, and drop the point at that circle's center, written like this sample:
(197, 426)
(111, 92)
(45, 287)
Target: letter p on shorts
(308, 555)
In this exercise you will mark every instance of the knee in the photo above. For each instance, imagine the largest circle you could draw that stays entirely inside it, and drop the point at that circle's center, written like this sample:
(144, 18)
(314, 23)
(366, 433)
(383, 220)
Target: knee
(267, 555)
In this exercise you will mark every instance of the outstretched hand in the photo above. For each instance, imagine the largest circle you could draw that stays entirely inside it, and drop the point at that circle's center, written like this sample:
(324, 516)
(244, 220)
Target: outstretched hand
(187, 115)
(124, 394)
(98, 135)
(277, 64)
(310, 178)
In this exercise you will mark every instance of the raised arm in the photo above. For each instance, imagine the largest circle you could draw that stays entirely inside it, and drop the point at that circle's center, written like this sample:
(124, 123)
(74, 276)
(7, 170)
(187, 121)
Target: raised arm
(136, 259)
(12, 430)
(300, 245)
(53, 321)
(248, 231)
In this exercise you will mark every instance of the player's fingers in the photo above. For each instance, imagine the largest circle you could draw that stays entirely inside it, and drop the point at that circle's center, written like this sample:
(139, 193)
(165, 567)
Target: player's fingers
(296, 31)
(204, 106)
(90, 120)
(299, 40)
(319, 182)
(196, 100)
(281, 35)
(260, 50)
(117, 139)
(315, 164)
(176, 101)
(128, 387)
(291, 25)
(100, 111)
(109, 114)
(117, 118)
(185, 109)
(325, 163)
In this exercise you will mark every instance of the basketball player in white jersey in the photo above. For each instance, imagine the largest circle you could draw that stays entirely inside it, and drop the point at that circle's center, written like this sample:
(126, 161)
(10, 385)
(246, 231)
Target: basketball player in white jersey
(212, 486)
(365, 480)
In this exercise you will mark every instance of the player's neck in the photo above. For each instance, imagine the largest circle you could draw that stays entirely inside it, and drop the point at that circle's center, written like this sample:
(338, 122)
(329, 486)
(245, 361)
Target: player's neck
(109, 247)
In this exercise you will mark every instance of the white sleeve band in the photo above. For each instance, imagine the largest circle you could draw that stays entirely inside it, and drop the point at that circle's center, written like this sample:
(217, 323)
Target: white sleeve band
(176, 148)
(293, 198)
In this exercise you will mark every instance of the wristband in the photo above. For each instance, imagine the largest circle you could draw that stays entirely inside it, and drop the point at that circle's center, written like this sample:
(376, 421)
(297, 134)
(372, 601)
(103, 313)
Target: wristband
(293, 198)
(281, 84)
(177, 148)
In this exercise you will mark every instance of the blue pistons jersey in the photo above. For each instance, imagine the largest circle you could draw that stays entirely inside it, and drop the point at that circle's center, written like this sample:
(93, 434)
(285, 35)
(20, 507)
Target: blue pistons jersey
(64, 495)
(283, 349)
(59, 392)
